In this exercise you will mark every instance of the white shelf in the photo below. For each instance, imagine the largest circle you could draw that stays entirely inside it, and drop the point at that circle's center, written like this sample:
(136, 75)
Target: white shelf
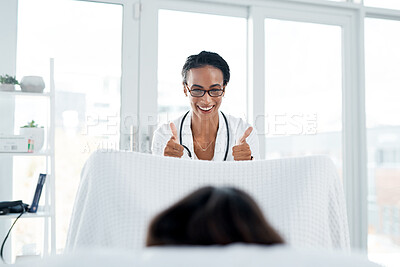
(20, 93)
(47, 209)
(26, 154)
(39, 214)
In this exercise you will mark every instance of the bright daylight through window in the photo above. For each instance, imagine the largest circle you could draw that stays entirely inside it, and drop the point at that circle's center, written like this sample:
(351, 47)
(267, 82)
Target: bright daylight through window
(84, 38)
(309, 78)
(303, 91)
(202, 32)
(382, 57)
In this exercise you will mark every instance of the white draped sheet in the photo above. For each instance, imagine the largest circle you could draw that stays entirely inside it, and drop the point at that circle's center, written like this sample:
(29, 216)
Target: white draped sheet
(121, 191)
(235, 255)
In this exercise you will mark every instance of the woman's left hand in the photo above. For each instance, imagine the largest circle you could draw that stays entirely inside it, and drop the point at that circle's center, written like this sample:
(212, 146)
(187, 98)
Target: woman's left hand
(242, 150)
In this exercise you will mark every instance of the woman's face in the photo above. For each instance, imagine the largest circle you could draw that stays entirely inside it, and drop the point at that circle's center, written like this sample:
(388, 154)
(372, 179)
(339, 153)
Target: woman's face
(205, 78)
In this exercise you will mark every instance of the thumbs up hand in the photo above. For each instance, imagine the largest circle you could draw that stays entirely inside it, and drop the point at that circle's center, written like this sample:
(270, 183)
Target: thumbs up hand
(241, 151)
(173, 148)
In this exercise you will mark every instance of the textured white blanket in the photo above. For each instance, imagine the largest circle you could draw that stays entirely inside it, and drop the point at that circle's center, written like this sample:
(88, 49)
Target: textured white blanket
(121, 191)
(236, 255)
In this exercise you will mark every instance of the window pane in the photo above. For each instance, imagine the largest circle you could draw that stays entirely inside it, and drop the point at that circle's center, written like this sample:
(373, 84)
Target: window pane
(392, 4)
(303, 90)
(181, 34)
(84, 38)
(382, 43)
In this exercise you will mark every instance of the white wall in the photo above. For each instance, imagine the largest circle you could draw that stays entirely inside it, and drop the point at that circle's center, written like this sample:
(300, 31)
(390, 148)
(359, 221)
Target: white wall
(8, 53)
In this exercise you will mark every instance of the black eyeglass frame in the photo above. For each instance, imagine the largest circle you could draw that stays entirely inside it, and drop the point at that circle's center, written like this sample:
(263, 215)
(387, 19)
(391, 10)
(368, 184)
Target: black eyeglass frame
(204, 91)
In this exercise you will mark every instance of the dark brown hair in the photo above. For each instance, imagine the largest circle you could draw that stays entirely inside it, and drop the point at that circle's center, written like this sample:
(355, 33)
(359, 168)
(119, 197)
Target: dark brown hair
(210, 216)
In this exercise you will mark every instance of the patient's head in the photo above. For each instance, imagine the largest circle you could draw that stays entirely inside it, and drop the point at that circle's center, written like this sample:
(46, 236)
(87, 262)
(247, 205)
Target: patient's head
(212, 216)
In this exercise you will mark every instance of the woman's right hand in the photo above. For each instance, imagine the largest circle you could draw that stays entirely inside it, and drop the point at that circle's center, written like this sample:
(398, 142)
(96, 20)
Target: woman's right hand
(173, 148)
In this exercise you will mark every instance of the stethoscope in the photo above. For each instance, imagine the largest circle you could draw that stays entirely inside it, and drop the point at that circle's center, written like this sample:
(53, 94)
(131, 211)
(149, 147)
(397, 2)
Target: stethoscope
(187, 149)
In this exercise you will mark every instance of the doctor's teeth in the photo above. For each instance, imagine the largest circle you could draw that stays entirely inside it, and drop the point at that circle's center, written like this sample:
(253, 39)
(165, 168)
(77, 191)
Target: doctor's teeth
(206, 108)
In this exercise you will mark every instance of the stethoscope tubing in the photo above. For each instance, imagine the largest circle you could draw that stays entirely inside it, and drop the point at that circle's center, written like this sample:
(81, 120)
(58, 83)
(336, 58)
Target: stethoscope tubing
(187, 149)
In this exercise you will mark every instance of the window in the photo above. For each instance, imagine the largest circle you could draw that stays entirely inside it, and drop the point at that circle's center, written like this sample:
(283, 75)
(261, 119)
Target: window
(182, 34)
(303, 94)
(392, 4)
(303, 85)
(382, 58)
(85, 40)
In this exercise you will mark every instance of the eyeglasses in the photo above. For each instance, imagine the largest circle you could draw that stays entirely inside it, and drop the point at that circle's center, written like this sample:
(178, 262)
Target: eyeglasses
(201, 92)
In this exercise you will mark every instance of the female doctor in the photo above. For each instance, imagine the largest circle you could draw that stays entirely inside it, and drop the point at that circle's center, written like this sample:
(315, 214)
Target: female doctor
(204, 132)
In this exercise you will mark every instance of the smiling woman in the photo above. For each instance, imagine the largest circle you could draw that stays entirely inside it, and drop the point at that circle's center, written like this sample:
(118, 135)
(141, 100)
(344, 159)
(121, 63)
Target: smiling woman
(206, 130)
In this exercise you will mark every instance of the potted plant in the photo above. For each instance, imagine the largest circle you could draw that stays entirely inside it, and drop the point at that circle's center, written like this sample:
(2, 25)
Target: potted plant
(7, 83)
(31, 129)
(32, 84)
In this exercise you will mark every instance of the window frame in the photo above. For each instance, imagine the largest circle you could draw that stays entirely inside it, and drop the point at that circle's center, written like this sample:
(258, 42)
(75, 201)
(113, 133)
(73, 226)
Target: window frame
(354, 128)
(353, 110)
(148, 93)
(138, 19)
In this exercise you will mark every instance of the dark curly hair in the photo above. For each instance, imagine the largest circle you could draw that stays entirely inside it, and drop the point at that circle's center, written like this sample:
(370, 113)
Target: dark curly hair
(211, 216)
(203, 59)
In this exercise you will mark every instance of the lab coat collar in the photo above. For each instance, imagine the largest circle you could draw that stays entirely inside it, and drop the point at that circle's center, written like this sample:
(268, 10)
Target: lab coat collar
(220, 144)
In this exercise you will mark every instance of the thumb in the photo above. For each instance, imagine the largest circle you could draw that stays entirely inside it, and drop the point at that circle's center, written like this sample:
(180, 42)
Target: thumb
(245, 135)
(174, 130)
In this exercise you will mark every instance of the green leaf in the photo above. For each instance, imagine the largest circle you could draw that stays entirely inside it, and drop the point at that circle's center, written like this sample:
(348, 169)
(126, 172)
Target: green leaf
(7, 79)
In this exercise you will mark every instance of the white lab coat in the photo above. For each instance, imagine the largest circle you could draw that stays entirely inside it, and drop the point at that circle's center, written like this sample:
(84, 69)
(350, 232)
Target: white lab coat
(237, 127)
